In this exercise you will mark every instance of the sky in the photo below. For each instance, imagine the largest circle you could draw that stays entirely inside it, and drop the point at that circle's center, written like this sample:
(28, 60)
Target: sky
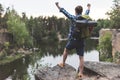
(37, 8)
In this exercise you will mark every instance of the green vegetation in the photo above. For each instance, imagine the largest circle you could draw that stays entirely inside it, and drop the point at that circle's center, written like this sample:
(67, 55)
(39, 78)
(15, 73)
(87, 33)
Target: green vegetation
(105, 44)
(115, 15)
(9, 59)
(117, 57)
(18, 29)
(102, 23)
(112, 22)
(1, 11)
(28, 33)
(105, 47)
(24, 32)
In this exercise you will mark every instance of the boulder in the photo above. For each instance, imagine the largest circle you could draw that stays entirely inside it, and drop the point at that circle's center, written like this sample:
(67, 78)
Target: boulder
(92, 71)
(109, 70)
(56, 73)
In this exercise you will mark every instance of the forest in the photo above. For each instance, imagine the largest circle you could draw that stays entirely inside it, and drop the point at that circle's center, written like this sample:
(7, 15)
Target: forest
(22, 31)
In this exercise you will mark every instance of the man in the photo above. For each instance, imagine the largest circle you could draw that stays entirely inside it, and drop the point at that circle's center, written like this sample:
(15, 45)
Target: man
(73, 41)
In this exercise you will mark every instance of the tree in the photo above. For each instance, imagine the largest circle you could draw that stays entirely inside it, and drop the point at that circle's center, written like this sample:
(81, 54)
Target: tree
(1, 10)
(115, 14)
(18, 29)
(101, 23)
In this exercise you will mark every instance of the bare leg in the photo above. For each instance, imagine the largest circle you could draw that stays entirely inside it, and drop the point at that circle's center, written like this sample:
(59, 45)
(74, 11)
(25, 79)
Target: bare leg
(65, 53)
(81, 65)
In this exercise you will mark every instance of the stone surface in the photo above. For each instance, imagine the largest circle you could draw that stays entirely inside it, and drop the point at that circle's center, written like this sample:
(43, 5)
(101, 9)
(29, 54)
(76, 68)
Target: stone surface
(56, 73)
(92, 71)
(109, 70)
(116, 43)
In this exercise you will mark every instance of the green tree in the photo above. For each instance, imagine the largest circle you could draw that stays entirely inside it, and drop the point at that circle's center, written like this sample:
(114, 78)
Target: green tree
(63, 26)
(115, 14)
(101, 23)
(1, 10)
(18, 29)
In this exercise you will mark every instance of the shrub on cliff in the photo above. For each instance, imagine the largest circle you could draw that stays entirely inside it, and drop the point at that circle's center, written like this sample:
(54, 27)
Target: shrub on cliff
(105, 47)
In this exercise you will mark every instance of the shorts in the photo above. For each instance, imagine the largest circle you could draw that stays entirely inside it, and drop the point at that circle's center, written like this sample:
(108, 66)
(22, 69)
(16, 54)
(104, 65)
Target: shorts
(76, 44)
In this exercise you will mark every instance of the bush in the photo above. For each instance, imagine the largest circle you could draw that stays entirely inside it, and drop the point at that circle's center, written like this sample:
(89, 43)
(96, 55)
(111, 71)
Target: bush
(18, 29)
(117, 57)
(105, 47)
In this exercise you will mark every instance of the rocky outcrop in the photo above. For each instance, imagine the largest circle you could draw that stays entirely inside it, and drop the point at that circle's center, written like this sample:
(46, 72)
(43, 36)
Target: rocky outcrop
(109, 70)
(92, 71)
(116, 43)
(115, 40)
(56, 73)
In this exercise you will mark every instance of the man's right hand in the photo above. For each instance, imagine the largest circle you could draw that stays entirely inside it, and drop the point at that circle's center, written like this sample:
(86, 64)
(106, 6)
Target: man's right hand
(57, 4)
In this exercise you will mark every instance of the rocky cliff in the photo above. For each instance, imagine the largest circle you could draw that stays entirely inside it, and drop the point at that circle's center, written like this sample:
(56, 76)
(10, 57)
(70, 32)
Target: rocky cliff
(92, 71)
(115, 40)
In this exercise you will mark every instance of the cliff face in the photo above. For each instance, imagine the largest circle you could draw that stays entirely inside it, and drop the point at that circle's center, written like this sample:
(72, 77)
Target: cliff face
(116, 43)
(115, 40)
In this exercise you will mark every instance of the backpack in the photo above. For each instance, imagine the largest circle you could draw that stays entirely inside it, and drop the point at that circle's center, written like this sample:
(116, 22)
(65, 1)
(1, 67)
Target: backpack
(84, 27)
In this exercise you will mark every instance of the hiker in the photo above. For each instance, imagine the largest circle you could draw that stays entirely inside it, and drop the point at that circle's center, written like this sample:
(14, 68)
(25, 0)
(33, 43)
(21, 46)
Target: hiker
(73, 42)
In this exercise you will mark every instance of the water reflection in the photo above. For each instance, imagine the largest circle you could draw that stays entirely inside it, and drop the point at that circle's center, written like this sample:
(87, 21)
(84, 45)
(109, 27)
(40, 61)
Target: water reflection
(56, 48)
(49, 53)
(17, 70)
(71, 59)
(91, 54)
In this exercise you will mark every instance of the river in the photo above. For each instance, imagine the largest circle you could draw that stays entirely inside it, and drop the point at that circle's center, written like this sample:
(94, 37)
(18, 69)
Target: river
(49, 54)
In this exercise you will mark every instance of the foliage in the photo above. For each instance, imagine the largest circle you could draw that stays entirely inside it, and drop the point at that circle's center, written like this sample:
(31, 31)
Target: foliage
(117, 57)
(105, 47)
(41, 28)
(9, 59)
(53, 36)
(63, 26)
(6, 44)
(2, 55)
(1, 10)
(18, 29)
(101, 23)
(115, 14)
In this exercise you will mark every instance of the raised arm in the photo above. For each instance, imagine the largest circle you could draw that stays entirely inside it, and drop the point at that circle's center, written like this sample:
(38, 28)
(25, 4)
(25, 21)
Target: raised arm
(57, 4)
(67, 14)
(88, 9)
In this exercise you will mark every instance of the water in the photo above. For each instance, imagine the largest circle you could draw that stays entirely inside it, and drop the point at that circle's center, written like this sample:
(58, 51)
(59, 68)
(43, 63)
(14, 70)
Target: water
(71, 59)
(50, 54)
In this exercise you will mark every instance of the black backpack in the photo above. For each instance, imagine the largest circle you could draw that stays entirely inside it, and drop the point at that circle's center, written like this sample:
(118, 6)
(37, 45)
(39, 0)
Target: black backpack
(84, 27)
